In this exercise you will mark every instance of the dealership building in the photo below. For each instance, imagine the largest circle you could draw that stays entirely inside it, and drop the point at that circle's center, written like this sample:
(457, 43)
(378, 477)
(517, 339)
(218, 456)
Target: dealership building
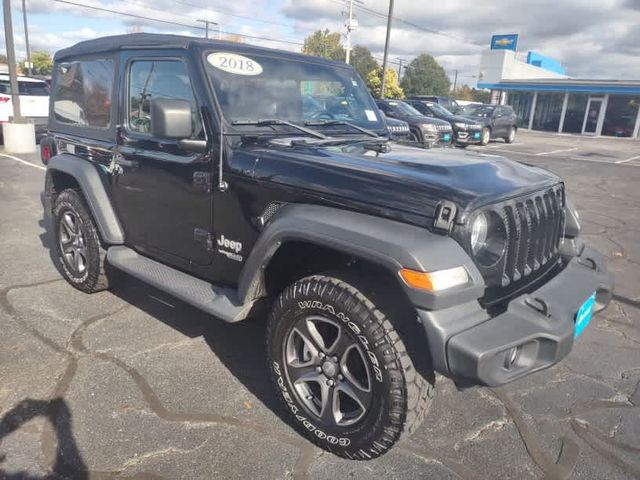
(545, 98)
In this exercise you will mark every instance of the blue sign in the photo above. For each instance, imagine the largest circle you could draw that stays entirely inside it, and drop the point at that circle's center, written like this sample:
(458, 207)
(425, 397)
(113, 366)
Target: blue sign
(504, 42)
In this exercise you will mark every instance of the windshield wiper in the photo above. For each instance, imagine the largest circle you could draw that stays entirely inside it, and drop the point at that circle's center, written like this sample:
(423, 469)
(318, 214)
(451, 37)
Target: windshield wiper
(319, 123)
(267, 122)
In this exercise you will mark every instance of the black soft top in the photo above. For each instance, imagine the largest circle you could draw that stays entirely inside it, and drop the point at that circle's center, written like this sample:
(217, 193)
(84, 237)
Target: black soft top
(160, 41)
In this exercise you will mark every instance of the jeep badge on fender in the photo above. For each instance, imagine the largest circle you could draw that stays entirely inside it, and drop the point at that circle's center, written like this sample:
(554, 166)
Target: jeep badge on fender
(235, 177)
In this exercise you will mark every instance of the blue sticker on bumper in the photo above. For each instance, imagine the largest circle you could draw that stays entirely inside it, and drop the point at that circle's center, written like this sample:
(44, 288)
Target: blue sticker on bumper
(583, 317)
(476, 135)
(447, 137)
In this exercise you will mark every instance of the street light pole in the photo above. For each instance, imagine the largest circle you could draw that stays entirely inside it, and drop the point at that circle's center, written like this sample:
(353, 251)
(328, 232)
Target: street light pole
(386, 49)
(11, 60)
(26, 36)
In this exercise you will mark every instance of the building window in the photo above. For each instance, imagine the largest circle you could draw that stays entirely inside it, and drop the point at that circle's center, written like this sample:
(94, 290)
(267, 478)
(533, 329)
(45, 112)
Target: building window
(620, 118)
(521, 104)
(82, 94)
(548, 110)
(576, 108)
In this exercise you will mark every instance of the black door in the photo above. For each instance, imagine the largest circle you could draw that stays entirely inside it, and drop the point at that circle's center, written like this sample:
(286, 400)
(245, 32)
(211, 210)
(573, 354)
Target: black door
(499, 120)
(161, 189)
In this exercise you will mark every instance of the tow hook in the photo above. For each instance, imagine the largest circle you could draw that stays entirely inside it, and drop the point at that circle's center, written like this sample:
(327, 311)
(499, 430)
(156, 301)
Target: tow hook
(538, 305)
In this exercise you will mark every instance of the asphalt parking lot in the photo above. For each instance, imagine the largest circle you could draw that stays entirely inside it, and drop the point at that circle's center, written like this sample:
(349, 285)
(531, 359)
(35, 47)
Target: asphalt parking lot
(132, 384)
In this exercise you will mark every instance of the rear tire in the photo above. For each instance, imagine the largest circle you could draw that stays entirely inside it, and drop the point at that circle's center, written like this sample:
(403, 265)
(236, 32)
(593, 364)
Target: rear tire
(79, 253)
(380, 394)
(485, 136)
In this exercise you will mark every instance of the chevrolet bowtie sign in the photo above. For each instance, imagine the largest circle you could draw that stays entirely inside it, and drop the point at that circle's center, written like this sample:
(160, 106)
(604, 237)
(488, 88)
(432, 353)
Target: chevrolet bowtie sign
(504, 42)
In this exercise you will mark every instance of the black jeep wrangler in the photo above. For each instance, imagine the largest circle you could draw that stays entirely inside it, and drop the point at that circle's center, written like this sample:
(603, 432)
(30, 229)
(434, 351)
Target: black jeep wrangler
(235, 177)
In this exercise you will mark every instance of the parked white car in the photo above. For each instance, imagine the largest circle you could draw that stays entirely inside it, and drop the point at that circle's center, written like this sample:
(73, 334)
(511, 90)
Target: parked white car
(34, 101)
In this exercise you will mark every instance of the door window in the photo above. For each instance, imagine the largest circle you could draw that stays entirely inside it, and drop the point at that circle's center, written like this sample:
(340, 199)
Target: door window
(152, 79)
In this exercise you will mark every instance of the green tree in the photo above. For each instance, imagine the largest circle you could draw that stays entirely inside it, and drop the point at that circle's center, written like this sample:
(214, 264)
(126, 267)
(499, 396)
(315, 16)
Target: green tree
(362, 60)
(391, 87)
(325, 44)
(425, 76)
(3, 58)
(42, 63)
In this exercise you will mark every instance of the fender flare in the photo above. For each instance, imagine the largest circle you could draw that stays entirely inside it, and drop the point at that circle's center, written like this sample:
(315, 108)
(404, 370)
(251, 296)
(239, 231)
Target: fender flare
(390, 244)
(95, 194)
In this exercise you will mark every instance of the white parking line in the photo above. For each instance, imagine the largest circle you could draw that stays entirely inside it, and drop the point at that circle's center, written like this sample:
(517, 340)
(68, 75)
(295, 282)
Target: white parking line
(637, 157)
(23, 161)
(557, 151)
(579, 159)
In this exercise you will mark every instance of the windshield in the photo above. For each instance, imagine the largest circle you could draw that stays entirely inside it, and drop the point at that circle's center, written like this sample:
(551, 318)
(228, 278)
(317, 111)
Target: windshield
(257, 87)
(481, 111)
(439, 109)
(403, 108)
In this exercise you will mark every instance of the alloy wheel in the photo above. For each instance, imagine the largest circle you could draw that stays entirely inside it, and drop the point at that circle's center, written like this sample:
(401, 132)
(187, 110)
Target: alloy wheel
(328, 370)
(72, 243)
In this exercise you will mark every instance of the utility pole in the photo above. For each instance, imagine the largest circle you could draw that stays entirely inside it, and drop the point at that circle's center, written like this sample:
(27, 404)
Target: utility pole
(206, 27)
(386, 49)
(349, 28)
(400, 69)
(455, 80)
(26, 37)
(11, 60)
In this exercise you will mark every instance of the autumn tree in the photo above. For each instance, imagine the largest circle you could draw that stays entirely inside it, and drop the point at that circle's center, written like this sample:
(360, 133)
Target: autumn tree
(425, 76)
(325, 44)
(391, 87)
(42, 63)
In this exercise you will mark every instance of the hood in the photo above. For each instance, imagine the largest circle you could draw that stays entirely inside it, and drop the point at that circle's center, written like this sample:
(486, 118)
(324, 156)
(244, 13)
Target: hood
(462, 119)
(406, 179)
(416, 119)
(480, 120)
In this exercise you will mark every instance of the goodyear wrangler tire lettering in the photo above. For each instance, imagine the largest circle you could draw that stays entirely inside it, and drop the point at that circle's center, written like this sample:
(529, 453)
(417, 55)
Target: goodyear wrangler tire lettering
(299, 334)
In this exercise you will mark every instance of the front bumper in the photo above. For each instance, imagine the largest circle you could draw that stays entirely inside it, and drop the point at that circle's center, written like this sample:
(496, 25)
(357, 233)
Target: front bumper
(467, 137)
(534, 332)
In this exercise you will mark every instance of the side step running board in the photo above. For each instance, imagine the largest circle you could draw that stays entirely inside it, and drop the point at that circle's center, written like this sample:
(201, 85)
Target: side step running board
(218, 301)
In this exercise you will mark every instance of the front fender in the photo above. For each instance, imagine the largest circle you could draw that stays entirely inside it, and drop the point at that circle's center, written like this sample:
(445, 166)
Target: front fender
(390, 244)
(88, 178)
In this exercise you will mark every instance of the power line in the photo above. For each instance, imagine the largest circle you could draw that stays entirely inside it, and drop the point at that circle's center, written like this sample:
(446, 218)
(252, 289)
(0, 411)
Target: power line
(170, 22)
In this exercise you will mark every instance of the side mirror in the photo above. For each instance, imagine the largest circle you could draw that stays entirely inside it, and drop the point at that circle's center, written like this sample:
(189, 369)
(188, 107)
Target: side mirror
(170, 118)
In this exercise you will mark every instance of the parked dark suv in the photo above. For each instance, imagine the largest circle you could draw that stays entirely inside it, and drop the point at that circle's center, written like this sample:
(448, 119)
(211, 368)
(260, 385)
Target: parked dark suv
(192, 165)
(425, 131)
(465, 132)
(498, 121)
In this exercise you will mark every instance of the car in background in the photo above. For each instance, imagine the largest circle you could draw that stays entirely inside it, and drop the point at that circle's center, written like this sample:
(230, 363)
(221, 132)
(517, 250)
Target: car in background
(398, 129)
(449, 103)
(498, 121)
(465, 132)
(425, 131)
(34, 102)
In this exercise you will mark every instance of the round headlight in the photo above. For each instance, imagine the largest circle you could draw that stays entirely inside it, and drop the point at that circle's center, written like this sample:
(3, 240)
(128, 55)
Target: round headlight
(488, 238)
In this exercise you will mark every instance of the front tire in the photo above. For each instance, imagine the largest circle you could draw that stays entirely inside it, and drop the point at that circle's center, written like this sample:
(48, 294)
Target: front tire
(342, 370)
(81, 258)
(510, 138)
(485, 137)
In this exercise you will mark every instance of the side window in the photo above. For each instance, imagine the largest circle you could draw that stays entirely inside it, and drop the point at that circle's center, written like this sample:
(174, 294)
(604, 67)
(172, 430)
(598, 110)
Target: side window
(83, 93)
(150, 79)
(384, 107)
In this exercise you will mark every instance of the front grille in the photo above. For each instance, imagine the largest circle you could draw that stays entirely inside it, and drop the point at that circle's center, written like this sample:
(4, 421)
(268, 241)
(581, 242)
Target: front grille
(534, 230)
(443, 128)
(534, 227)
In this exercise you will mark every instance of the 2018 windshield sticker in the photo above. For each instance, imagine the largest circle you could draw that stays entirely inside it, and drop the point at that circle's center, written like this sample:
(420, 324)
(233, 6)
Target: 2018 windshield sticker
(371, 115)
(234, 63)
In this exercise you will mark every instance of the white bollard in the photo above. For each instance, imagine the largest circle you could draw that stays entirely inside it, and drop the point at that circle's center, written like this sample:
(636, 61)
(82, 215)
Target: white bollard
(19, 137)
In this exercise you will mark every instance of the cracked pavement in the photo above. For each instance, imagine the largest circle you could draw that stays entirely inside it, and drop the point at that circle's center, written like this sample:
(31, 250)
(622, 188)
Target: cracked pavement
(133, 384)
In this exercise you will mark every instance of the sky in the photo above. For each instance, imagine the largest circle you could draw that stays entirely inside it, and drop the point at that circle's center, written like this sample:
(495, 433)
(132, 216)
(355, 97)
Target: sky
(592, 38)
